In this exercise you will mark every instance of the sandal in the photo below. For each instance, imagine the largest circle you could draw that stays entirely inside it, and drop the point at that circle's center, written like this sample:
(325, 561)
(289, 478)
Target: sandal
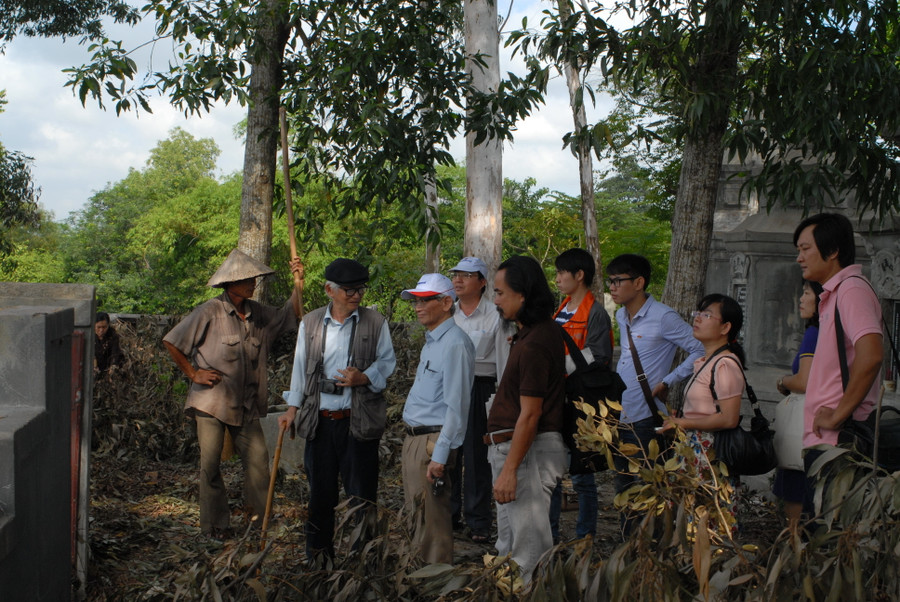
(480, 538)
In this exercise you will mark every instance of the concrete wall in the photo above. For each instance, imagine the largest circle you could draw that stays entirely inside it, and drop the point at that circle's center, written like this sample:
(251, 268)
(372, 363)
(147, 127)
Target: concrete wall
(35, 472)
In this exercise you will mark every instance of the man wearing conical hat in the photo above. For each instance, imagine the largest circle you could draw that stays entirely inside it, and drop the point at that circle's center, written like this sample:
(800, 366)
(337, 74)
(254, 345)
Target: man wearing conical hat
(222, 347)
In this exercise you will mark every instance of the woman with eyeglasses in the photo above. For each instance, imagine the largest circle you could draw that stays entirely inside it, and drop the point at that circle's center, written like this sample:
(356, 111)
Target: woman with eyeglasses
(712, 398)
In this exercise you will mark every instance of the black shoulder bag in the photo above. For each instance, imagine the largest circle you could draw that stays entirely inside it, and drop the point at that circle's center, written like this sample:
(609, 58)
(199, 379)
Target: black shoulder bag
(590, 383)
(745, 453)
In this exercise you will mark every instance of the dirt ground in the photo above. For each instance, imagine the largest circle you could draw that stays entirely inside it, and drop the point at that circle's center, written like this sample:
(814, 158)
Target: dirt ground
(146, 544)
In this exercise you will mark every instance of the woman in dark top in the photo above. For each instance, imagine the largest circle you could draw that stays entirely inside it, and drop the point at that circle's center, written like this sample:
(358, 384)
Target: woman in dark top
(789, 484)
(107, 352)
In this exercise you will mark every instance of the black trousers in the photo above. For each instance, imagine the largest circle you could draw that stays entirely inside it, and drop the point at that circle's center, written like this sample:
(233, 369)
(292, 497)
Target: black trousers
(334, 451)
(470, 496)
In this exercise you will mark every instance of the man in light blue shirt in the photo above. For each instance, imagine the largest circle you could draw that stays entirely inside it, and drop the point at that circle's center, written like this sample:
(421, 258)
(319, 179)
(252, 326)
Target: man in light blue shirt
(342, 361)
(656, 332)
(435, 414)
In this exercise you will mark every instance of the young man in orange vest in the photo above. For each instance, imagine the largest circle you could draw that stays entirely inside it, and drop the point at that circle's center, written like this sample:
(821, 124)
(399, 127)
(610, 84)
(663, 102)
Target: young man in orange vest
(587, 322)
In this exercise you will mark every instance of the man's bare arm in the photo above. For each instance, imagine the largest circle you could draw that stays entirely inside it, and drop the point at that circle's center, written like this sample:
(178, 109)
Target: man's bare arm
(523, 436)
(866, 365)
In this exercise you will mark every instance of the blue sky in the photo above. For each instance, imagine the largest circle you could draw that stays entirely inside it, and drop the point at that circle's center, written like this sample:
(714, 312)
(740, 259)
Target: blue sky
(79, 150)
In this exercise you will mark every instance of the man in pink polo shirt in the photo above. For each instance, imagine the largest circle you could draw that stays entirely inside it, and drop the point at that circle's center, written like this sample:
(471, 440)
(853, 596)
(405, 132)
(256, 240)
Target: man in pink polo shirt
(826, 253)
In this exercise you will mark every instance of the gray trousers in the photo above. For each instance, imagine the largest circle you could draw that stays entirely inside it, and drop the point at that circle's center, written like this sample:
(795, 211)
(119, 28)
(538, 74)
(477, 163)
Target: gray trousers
(523, 526)
(250, 444)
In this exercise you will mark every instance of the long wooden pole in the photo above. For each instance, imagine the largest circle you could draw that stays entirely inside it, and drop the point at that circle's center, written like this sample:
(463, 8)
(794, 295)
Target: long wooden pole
(289, 205)
(271, 494)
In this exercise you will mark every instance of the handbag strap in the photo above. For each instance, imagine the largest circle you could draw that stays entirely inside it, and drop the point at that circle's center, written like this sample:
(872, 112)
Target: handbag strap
(641, 377)
(839, 334)
(751, 394)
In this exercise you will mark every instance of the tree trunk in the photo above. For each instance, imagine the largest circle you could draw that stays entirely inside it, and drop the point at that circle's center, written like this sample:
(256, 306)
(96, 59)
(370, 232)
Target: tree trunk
(484, 162)
(713, 78)
(585, 165)
(692, 221)
(261, 143)
(432, 246)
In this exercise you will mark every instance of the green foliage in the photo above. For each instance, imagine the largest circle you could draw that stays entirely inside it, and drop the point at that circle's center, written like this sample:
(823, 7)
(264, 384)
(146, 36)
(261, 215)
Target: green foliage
(812, 91)
(18, 196)
(48, 18)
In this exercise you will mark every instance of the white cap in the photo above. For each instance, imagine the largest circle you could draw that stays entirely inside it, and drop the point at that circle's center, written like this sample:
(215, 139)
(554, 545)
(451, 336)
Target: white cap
(429, 285)
(471, 264)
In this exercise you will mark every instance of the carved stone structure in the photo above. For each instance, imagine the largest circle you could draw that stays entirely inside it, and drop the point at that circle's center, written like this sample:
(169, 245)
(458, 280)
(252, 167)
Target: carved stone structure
(753, 259)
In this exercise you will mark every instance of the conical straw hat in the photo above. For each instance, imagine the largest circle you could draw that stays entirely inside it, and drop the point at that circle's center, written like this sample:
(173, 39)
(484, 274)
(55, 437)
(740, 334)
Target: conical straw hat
(238, 266)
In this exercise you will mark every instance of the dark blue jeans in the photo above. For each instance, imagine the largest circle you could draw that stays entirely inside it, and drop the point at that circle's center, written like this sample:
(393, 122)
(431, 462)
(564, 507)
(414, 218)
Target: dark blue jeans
(470, 493)
(333, 452)
(641, 434)
(585, 485)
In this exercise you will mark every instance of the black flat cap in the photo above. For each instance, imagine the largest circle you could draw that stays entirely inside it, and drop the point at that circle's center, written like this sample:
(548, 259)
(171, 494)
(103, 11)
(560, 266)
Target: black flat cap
(347, 272)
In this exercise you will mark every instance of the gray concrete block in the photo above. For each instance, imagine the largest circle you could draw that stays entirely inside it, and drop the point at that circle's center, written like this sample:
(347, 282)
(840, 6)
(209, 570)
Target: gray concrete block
(291, 449)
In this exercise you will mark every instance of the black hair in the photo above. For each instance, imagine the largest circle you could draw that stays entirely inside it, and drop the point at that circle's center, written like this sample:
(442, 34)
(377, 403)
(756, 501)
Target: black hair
(525, 276)
(574, 260)
(731, 314)
(631, 264)
(833, 233)
(102, 316)
(817, 289)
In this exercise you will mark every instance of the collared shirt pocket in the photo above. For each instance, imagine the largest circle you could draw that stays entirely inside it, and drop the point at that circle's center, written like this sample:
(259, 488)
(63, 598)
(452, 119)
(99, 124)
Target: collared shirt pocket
(231, 347)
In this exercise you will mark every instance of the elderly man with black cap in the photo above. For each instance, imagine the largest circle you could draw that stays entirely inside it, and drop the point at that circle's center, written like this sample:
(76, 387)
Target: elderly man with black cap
(343, 359)
(222, 347)
(436, 413)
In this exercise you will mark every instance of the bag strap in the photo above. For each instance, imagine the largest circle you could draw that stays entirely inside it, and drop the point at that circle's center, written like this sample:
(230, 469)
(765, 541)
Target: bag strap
(751, 394)
(574, 350)
(839, 333)
(641, 376)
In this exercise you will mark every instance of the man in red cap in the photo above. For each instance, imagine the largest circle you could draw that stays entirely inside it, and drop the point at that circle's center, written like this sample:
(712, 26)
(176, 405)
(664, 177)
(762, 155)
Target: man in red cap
(343, 359)
(222, 347)
(436, 414)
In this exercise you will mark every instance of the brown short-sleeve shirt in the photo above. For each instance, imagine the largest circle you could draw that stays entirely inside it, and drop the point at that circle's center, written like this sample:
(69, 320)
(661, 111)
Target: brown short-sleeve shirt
(214, 337)
(536, 368)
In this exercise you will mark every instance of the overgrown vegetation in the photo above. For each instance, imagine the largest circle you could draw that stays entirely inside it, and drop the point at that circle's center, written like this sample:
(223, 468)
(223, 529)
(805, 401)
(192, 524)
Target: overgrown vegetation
(146, 546)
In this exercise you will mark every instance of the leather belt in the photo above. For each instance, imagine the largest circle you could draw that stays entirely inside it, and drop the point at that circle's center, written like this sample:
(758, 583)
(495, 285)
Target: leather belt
(498, 437)
(335, 415)
(415, 431)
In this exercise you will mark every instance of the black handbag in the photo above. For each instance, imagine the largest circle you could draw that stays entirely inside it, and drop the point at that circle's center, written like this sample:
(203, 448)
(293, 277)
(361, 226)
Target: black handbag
(744, 452)
(590, 383)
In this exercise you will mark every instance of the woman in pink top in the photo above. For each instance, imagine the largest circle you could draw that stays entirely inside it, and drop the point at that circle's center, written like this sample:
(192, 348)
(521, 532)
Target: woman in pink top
(717, 322)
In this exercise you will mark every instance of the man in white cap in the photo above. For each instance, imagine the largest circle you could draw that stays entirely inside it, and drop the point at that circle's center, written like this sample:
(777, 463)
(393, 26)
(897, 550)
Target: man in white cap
(343, 359)
(471, 495)
(222, 347)
(436, 413)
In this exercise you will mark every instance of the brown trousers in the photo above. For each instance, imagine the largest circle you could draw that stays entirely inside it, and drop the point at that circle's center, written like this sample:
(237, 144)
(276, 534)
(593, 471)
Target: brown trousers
(431, 520)
(250, 443)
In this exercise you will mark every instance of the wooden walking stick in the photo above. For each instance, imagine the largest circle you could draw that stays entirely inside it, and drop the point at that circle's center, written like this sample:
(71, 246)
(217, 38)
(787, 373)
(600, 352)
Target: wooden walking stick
(289, 206)
(272, 477)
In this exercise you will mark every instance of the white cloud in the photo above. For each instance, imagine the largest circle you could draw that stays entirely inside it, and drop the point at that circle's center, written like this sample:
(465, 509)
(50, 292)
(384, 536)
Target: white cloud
(79, 150)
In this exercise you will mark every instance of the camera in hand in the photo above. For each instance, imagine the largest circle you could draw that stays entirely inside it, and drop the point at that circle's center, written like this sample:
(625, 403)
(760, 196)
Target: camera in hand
(329, 386)
(437, 486)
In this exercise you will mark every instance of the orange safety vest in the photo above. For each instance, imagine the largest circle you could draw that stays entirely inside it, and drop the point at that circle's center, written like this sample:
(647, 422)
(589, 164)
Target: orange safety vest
(577, 325)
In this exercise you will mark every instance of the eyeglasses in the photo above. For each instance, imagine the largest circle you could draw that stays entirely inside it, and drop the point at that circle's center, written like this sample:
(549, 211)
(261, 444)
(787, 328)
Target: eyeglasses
(465, 275)
(615, 282)
(703, 314)
(423, 300)
(351, 292)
